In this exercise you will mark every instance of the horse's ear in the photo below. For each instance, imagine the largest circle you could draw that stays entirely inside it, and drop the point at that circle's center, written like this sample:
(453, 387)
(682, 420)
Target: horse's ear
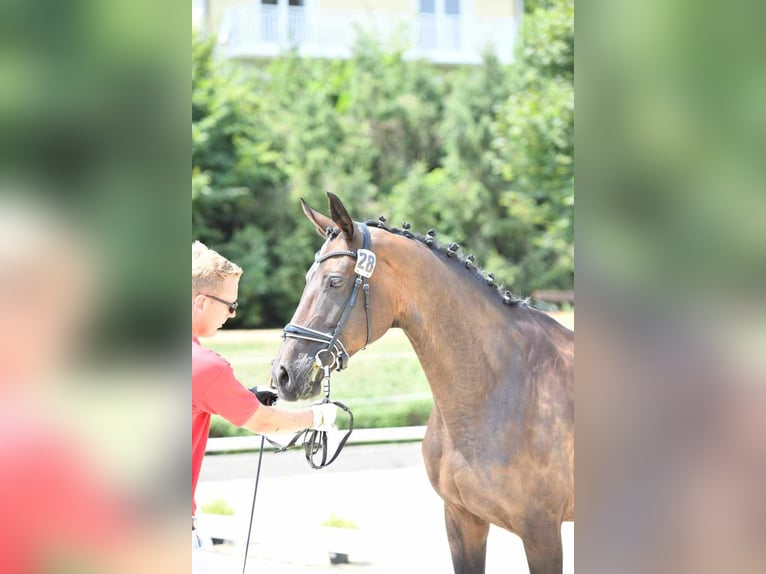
(340, 216)
(321, 222)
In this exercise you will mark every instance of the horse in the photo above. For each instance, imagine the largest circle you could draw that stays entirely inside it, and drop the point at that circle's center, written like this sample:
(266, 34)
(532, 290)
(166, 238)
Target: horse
(499, 445)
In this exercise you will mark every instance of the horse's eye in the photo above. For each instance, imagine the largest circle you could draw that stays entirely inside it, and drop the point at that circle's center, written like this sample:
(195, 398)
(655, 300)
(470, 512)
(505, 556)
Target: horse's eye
(335, 281)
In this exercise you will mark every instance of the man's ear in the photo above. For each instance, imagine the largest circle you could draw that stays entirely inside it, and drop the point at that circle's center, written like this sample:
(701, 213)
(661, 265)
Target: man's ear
(198, 303)
(321, 222)
(341, 217)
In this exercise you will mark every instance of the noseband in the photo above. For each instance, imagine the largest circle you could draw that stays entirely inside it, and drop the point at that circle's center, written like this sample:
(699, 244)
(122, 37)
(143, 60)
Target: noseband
(334, 356)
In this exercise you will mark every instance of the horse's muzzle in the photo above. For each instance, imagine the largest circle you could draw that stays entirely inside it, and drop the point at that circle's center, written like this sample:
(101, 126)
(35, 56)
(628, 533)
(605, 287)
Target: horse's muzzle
(296, 380)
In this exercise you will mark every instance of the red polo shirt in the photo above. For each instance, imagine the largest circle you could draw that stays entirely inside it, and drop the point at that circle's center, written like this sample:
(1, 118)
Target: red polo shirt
(215, 390)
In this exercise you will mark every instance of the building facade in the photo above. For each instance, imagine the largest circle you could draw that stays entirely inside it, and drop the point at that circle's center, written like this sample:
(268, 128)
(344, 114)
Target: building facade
(441, 31)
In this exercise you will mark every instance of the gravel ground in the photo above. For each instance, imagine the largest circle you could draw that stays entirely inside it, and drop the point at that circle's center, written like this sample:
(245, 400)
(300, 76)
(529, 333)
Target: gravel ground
(382, 489)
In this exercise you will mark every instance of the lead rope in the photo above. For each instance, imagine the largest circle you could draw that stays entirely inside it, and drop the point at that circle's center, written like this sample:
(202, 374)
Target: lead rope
(315, 439)
(252, 508)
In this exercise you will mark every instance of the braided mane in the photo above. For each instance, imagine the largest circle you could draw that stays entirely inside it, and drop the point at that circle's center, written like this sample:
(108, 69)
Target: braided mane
(454, 253)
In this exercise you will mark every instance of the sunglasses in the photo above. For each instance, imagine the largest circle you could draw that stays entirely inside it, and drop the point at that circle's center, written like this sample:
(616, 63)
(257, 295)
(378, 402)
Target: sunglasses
(232, 306)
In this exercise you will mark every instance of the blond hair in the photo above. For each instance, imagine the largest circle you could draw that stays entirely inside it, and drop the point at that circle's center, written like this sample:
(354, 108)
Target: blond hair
(210, 269)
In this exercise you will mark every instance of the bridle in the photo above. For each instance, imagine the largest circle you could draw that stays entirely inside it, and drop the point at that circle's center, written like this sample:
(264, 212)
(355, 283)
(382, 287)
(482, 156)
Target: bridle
(365, 264)
(334, 355)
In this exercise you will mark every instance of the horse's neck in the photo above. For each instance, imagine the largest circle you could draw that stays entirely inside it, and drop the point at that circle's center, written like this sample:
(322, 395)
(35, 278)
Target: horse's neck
(458, 333)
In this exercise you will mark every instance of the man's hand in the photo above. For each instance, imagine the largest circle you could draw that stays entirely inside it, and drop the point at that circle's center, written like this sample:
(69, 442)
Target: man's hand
(266, 396)
(324, 416)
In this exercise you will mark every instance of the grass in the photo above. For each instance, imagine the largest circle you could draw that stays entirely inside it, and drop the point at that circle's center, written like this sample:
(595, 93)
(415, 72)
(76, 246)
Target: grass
(338, 522)
(383, 385)
(217, 506)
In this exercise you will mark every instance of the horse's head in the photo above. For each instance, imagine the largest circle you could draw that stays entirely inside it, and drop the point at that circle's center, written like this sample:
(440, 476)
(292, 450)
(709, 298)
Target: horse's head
(332, 321)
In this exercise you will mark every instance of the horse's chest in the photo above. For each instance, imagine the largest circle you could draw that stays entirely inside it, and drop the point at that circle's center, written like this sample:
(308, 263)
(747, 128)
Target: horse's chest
(454, 476)
(458, 480)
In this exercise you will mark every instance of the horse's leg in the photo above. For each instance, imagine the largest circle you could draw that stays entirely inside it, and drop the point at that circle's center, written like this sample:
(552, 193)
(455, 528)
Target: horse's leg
(542, 545)
(467, 540)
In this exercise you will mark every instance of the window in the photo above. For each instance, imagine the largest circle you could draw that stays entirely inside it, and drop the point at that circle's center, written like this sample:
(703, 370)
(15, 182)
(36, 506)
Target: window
(452, 7)
(439, 24)
(296, 22)
(283, 21)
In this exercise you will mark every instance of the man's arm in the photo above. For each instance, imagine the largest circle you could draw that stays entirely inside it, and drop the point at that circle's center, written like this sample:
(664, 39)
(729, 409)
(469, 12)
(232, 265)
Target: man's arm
(268, 420)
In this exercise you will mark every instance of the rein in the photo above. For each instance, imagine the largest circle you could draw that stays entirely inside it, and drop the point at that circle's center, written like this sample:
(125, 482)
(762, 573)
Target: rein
(313, 439)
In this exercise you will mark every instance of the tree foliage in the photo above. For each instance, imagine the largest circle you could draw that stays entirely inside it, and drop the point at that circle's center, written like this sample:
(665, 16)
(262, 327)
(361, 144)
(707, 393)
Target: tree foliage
(535, 146)
(483, 154)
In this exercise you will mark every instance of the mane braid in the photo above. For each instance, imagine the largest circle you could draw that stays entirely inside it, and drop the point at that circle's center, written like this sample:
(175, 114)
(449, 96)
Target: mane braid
(441, 249)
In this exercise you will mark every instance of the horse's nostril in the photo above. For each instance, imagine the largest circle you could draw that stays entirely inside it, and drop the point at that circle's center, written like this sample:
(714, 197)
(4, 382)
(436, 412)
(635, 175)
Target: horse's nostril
(284, 378)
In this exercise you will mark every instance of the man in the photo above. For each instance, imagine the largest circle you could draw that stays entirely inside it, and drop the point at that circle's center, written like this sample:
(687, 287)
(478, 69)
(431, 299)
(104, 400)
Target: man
(215, 389)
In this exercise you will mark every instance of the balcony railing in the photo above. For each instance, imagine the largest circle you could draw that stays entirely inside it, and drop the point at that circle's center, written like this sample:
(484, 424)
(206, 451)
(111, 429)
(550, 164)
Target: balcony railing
(296, 24)
(245, 27)
(269, 16)
(451, 33)
(427, 32)
(255, 29)
(438, 32)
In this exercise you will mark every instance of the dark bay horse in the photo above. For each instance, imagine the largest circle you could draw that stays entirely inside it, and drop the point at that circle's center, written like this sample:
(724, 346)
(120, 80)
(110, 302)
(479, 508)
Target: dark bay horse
(499, 448)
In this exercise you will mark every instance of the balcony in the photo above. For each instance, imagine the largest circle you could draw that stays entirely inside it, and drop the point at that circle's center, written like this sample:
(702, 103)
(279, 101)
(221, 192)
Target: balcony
(255, 30)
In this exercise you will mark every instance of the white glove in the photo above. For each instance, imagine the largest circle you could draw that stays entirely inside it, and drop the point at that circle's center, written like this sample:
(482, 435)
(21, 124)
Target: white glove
(324, 416)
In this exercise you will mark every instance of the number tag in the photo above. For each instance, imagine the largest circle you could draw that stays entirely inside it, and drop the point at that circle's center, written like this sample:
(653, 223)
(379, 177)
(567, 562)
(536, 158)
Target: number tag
(365, 262)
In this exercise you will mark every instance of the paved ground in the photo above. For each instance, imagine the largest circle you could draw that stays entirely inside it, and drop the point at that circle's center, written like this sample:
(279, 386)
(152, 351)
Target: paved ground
(383, 489)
